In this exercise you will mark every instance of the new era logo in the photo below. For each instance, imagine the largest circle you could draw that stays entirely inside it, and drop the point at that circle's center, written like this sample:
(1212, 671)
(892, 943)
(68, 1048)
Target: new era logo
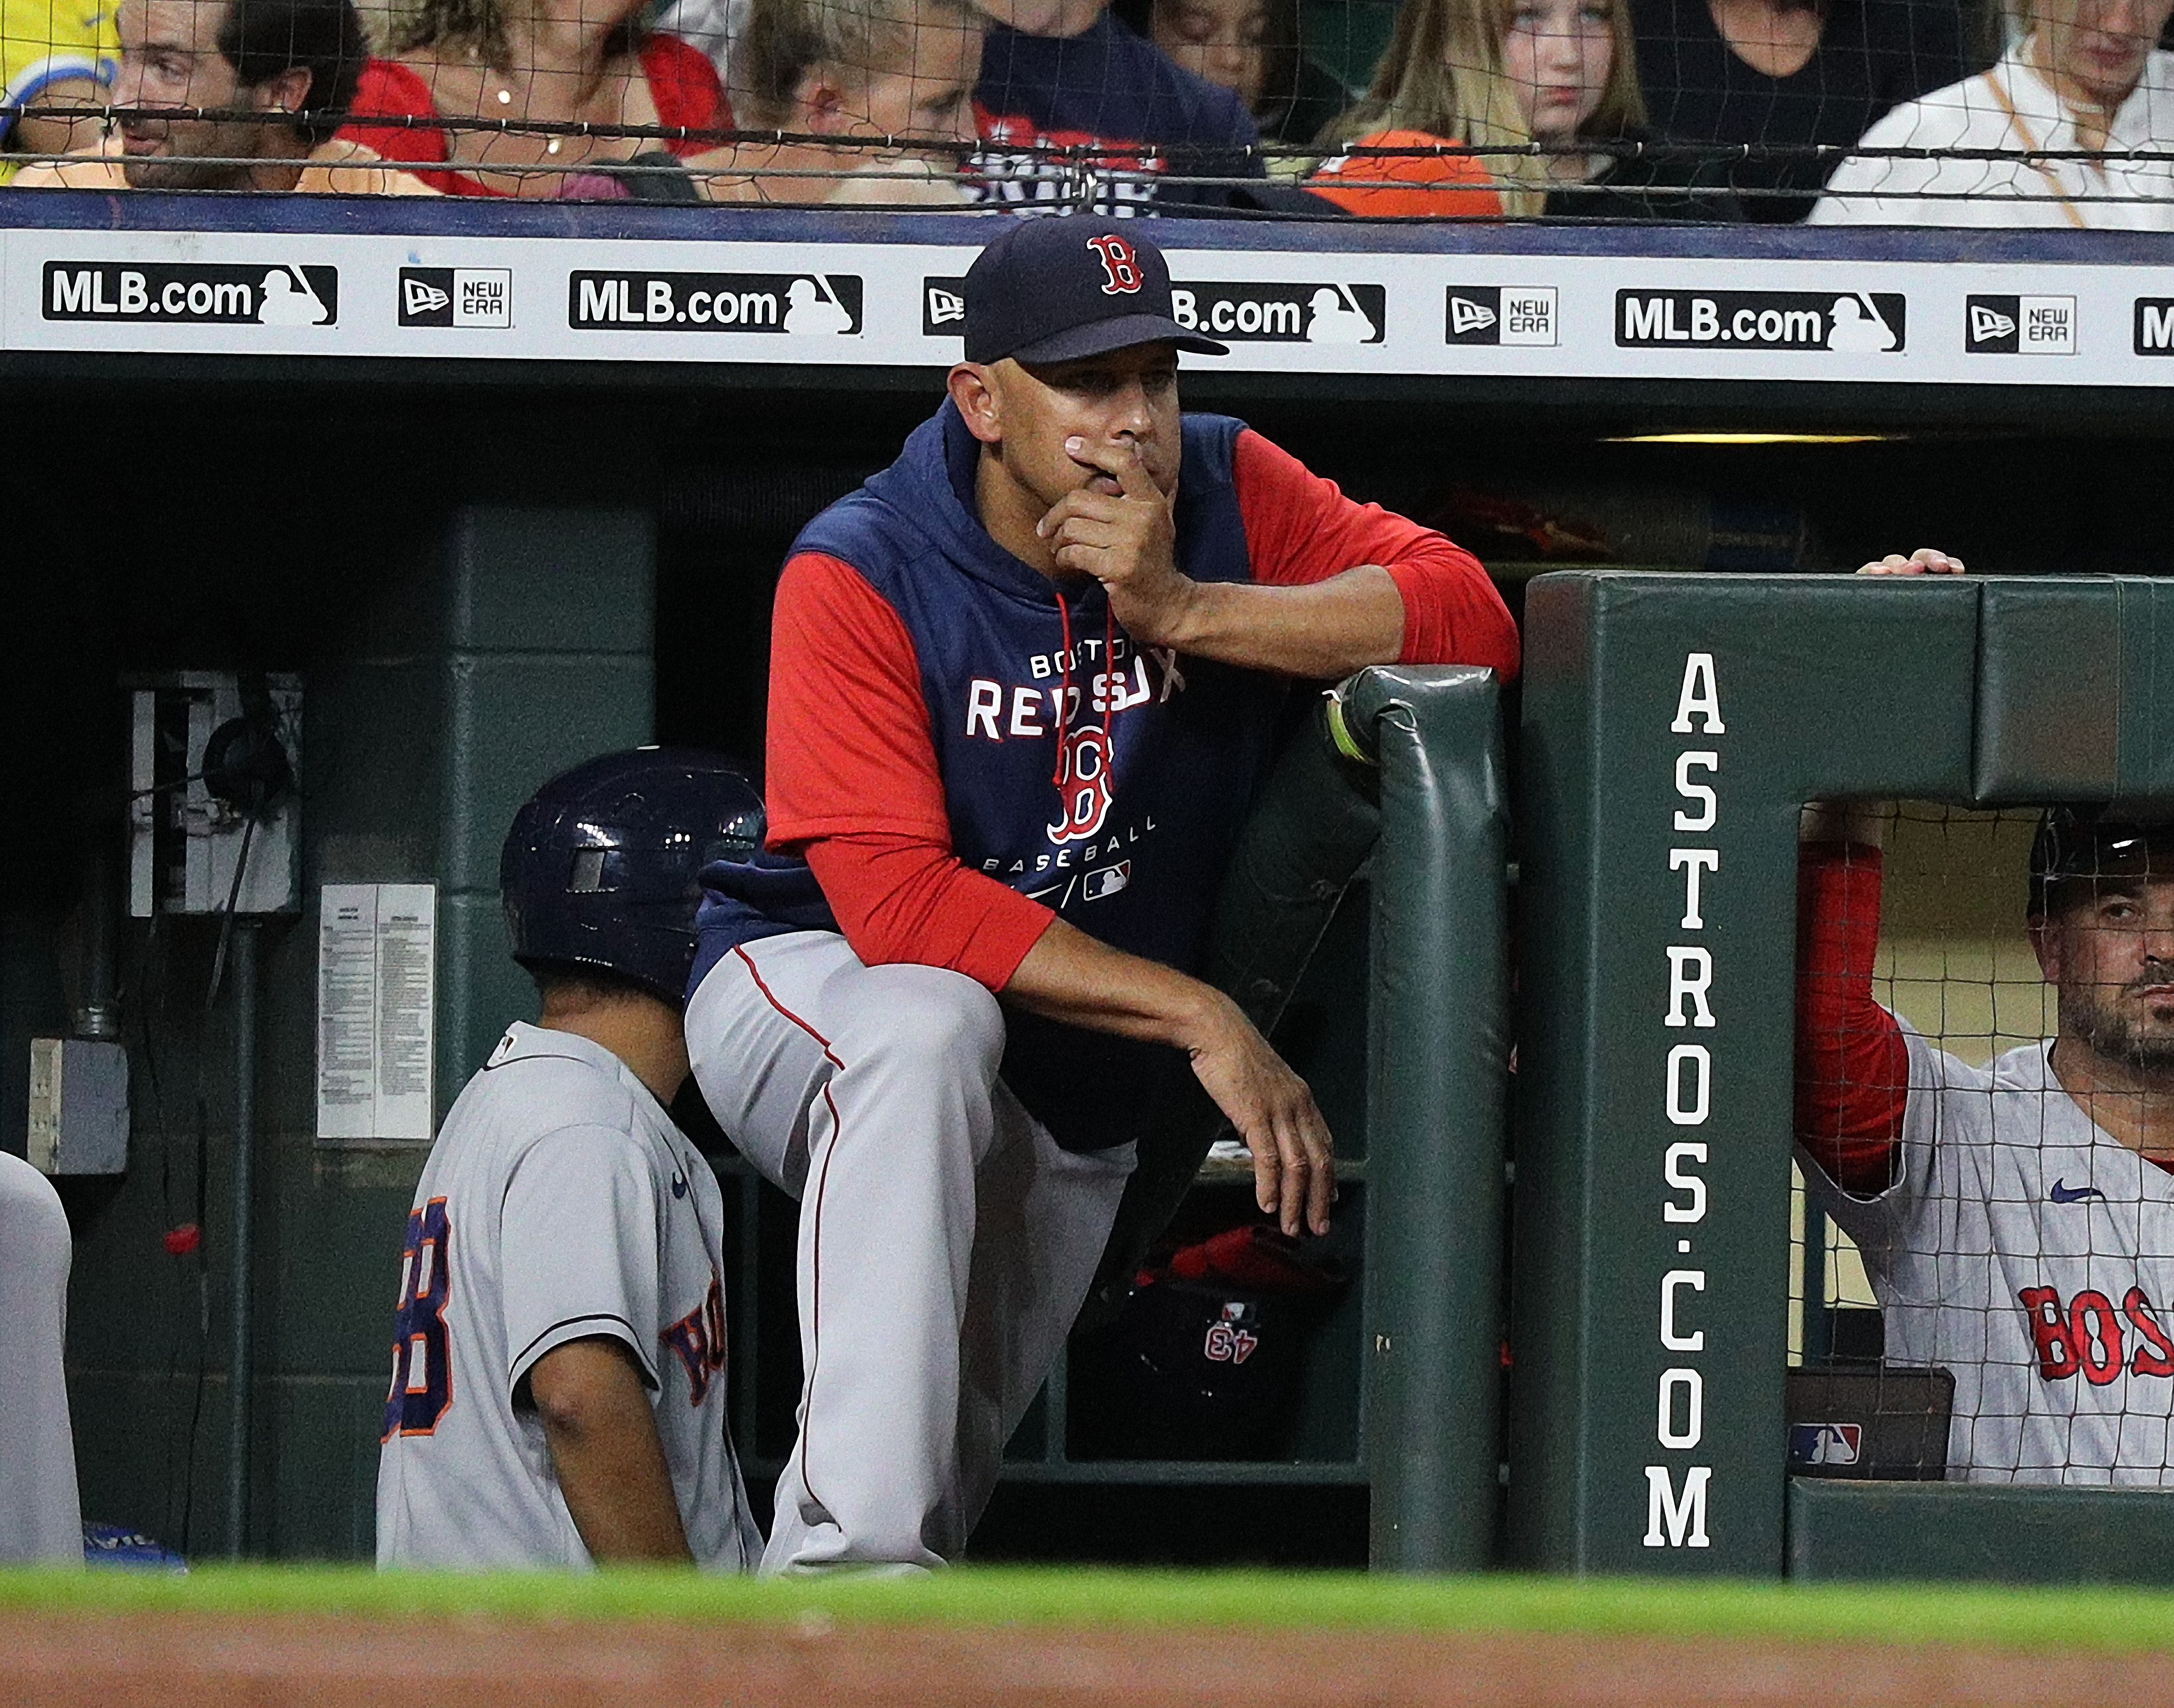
(2025, 326)
(456, 296)
(942, 307)
(1500, 314)
(1466, 316)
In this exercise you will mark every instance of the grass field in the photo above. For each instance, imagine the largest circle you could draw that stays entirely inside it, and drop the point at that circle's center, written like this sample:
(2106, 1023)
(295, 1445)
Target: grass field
(1981, 1617)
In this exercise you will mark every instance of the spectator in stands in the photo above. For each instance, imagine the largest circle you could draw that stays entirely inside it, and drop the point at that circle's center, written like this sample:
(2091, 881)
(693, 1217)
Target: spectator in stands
(295, 62)
(1789, 74)
(1060, 73)
(847, 69)
(1505, 74)
(2084, 78)
(1250, 47)
(54, 53)
(551, 62)
(2017, 1220)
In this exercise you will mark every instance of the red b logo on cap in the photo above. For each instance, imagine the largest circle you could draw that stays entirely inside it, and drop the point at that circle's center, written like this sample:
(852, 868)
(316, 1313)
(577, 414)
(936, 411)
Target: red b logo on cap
(1119, 261)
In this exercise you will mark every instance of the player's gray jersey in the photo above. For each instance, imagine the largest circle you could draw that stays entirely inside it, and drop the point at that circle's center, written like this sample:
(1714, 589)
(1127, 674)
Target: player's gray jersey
(2032, 1254)
(559, 1202)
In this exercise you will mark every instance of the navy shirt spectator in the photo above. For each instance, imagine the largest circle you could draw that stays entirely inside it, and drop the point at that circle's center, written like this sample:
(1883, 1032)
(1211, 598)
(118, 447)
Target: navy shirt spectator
(1760, 72)
(1070, 84)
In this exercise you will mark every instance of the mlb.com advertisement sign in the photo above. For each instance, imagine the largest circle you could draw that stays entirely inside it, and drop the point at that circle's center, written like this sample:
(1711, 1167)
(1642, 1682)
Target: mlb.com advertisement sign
(1853, 322)
(790, 303)
(191, 293)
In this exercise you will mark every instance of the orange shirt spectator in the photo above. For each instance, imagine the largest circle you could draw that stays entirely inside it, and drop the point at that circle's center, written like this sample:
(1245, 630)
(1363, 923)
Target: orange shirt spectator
(1382, 185)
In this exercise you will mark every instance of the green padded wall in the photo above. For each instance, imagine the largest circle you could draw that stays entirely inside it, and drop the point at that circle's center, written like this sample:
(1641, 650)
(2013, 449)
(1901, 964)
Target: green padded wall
(1667, 713)
(1817, 685)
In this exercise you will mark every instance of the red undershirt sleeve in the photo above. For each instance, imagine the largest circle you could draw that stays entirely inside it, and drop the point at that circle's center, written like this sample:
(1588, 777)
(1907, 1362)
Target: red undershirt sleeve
(1853, 1066)
(852, 785)
(1300, 528)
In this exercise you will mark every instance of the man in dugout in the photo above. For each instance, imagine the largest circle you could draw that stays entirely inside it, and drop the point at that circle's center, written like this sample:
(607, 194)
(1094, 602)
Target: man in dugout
(1023, 685)
(2017, 1220)
(283, 71)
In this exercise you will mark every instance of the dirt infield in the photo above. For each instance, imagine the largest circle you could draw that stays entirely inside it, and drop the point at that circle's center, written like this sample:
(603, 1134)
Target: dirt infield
(147, 1659)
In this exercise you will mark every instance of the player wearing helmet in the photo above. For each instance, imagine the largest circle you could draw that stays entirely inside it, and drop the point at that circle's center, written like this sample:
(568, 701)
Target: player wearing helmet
(1023, 685)
(2017, 1220)
(558, 1393)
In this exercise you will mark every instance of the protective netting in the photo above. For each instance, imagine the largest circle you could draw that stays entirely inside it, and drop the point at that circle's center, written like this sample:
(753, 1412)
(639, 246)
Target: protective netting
(1980, 112)
(1984, 1261)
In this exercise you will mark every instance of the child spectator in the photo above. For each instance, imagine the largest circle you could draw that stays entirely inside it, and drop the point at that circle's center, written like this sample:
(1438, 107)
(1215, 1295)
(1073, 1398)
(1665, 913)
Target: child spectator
(559, 62)
(1789, 74)
(2085, 78)
(1504, 74)
(1253, 48)
(1064, 73)
(53, 53)
(848, 68)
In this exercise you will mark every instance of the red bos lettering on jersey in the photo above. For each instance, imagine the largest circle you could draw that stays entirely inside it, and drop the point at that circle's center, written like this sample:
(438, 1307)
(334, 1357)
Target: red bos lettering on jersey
(2088, 1336)
(699, 1338)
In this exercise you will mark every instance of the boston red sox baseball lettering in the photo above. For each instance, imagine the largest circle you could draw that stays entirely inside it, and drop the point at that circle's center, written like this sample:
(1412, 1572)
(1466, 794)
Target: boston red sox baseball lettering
(2089, 1335)
(1675, 1516)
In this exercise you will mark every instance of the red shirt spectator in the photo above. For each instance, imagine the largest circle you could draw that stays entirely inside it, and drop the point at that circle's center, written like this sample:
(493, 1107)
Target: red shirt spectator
(682, 85)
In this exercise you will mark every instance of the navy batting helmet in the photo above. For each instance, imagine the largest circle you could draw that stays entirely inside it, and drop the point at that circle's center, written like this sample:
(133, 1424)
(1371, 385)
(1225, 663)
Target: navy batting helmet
(2077, 842)
(598, 869)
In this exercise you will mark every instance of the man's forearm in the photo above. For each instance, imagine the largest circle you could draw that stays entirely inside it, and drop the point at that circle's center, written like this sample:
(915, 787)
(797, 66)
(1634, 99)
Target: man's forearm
(1069, 975)
(1322, 631)
(606, 1453)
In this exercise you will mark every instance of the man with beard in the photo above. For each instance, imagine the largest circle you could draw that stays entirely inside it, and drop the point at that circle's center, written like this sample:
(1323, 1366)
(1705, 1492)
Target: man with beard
(2017, 1220)
(257, 89)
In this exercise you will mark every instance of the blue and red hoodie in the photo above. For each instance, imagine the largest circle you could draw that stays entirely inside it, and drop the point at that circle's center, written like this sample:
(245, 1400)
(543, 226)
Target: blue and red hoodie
(961, 749)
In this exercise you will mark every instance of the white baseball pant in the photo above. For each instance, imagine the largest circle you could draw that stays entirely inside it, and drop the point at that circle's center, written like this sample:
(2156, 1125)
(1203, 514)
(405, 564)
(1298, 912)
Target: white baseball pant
(946, 1242)
(40, 1518)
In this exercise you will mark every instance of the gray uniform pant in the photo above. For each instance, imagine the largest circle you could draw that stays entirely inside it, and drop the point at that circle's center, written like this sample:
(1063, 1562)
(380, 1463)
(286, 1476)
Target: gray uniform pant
(40, 1518)
(945, 1245)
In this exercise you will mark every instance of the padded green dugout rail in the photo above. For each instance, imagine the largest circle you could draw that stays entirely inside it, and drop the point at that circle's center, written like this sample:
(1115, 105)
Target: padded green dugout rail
(1673, 726)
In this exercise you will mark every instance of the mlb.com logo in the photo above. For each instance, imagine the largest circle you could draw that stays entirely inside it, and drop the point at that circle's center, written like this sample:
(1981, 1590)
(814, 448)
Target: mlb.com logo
(2027, 325)
(1825, 1444)
(1490, 314)
(456, 296)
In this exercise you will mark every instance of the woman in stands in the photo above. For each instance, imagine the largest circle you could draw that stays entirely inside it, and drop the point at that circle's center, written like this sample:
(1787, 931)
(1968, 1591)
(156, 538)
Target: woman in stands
(1505, 74)
(1790, 73)
(526, 62)
(847, 69)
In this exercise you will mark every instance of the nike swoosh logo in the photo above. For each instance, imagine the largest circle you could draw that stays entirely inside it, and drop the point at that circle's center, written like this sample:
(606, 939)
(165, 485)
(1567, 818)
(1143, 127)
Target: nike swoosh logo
(2064, 1193)
(679, 1186)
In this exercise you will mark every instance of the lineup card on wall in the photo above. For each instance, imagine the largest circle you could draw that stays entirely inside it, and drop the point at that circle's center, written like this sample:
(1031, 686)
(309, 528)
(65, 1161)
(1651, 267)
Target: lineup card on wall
(377, 1000)
(1832, 310)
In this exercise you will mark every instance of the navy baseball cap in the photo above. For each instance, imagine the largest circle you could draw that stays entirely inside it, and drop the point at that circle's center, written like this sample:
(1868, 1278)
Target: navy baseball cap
(1055, 289)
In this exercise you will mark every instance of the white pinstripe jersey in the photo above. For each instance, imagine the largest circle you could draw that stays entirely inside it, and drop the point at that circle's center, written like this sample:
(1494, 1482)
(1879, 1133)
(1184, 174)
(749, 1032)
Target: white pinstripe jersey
(2032, 1254)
